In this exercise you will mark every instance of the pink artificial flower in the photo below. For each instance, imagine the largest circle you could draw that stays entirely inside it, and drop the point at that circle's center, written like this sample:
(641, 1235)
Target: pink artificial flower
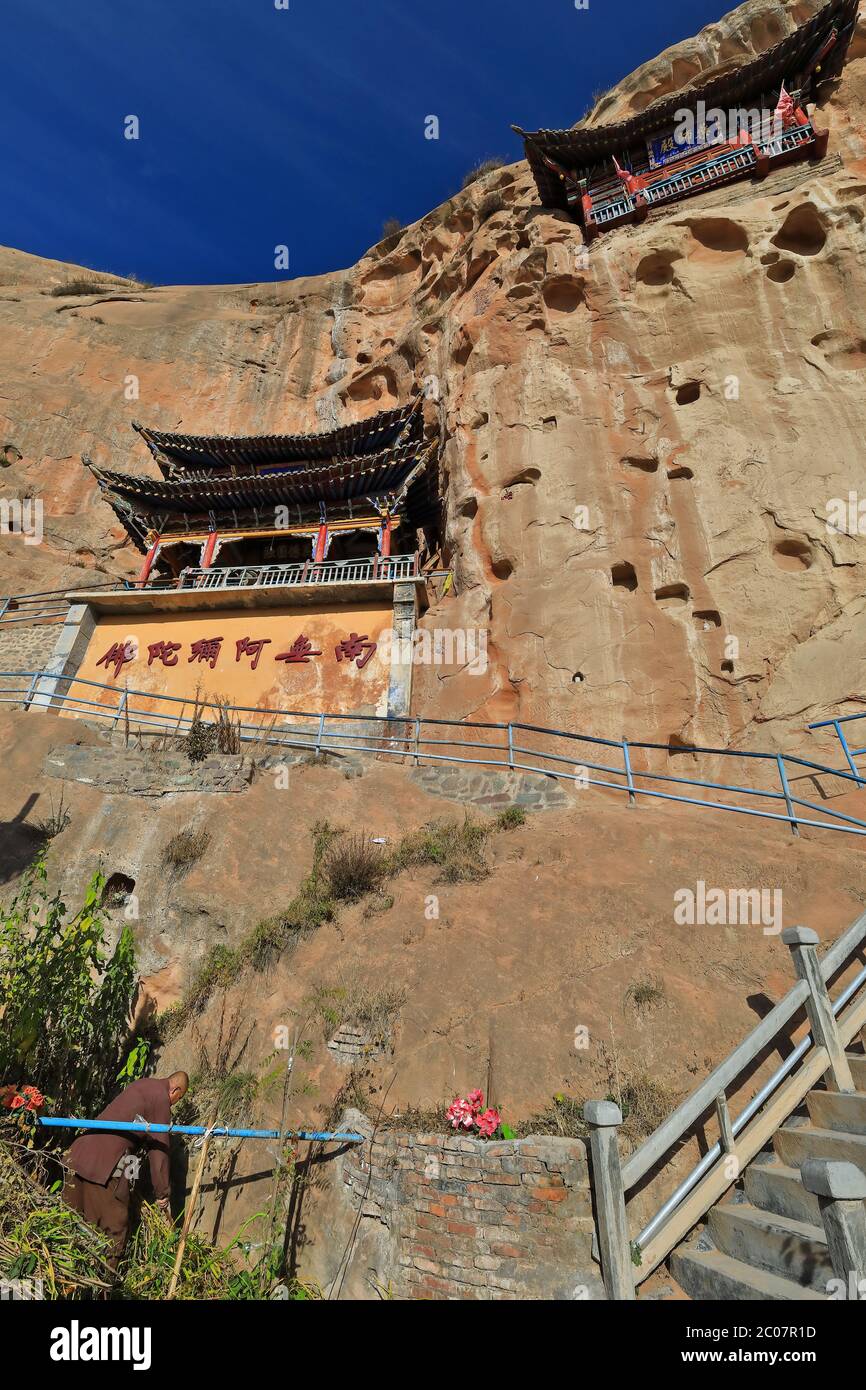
(488, 1123)
(476, 1100)
(460, 1114)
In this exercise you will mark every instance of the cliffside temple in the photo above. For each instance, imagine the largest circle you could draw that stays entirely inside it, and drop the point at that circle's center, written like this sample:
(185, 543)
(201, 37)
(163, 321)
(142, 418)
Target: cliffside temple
(273, 565)
(740, 124)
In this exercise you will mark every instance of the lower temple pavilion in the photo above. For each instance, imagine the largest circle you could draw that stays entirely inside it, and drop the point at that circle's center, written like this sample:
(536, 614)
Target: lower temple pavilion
(274, 569)
(738, 124)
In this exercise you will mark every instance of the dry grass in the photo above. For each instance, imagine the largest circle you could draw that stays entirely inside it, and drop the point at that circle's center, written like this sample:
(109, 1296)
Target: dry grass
(372, 1009)
(456, 848)
(353, 867)
(646, 994)
(80, 286)
(486, 166)
(184, 849)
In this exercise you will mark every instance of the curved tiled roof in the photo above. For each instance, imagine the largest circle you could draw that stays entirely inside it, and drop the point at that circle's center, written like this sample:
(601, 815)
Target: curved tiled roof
(335, 480)
(347, 441)
(579, 148)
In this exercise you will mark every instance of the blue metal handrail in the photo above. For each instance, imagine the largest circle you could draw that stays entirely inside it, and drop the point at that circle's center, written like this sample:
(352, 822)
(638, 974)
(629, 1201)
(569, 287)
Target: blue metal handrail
(213, 1131)
(401, 738)
(849, 752)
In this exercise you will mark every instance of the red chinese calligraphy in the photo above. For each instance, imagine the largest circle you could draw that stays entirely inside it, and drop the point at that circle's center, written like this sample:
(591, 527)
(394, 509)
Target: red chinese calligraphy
(246, 646)
(300, 650)
(355, 648)
(117, 656)
(166, 652)
(206, 649)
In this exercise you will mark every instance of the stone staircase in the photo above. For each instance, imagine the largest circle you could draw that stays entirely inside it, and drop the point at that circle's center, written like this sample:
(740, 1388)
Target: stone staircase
(768, 1242)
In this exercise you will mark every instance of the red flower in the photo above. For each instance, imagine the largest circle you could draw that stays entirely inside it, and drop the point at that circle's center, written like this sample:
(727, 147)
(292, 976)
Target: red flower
(460, 1114)
(488, 1123)
(17, 1102)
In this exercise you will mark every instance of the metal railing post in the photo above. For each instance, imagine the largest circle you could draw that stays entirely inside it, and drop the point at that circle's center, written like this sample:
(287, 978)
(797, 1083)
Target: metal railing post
(31, 690)
(802, 943)
(783, 778)
(511, 747)
(604, 1119)
(626, 753)
(4, 607)
(417, 740)
(120, 709)
(320, 735)
(840, 734)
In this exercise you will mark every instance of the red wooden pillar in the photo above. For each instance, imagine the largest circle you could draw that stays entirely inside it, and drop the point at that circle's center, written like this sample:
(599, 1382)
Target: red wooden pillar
(209, 548)
(386, 538)
(321, 542)
(149, 562)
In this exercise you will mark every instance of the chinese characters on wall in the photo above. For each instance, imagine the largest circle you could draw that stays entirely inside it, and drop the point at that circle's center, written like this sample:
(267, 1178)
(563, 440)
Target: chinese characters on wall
(208, 650)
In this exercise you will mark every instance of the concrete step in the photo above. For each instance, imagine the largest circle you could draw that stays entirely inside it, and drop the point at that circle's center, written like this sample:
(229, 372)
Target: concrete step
(708, 1275)
(776, 1187)
(795, 1146)
(858, 1070)
(796, 1250)
(833, 1110)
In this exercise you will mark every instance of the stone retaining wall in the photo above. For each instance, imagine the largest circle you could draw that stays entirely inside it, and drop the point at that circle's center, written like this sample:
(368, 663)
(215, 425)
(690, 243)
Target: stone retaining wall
(26, 646)
(446, 1217)
(485, 787)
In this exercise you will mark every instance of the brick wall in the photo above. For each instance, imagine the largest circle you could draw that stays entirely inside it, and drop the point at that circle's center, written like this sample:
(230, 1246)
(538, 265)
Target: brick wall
(446, 1217)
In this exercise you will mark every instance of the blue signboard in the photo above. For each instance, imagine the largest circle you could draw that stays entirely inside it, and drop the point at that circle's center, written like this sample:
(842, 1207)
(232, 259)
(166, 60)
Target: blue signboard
(664, 149)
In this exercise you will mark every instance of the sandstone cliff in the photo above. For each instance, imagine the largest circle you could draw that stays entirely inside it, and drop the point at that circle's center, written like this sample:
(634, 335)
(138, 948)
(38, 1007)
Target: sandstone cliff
(696, 384)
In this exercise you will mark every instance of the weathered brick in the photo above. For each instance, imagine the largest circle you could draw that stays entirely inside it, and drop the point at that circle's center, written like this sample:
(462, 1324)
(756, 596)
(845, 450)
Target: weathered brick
(461, 1228)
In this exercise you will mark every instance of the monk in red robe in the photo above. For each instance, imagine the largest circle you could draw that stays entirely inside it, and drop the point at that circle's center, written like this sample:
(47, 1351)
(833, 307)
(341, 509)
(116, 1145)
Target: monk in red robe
(103, 1163)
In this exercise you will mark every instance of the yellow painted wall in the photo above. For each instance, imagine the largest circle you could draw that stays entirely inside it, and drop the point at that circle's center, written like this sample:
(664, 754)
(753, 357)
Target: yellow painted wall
(322, 684)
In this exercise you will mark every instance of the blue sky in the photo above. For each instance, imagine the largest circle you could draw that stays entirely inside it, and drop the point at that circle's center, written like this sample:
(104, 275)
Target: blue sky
(301, 127)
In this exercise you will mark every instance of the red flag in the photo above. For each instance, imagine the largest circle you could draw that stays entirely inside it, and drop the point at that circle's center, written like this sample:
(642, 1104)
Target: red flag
(784, 112)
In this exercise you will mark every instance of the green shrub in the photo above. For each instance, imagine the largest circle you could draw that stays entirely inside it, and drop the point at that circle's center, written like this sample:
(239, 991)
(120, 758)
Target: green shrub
(65, 999)
(456, 848)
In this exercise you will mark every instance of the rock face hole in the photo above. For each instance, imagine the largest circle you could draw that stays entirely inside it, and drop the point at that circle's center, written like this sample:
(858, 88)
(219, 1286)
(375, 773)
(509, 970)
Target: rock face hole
(782, 272)
(624, 576)
(707, 617)
(655, 270)
(117, 891)
(720, 234)
(802, 232)
(672, 595)
(503, 569)
(688, 393)
(793, 556)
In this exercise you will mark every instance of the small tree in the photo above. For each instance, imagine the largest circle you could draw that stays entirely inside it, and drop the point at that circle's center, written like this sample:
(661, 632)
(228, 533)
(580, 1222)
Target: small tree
(65, 1001)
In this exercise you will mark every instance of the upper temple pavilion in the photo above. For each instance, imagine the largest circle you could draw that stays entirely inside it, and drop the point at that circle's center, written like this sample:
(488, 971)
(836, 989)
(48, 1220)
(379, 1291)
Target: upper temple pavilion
(741, 123)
